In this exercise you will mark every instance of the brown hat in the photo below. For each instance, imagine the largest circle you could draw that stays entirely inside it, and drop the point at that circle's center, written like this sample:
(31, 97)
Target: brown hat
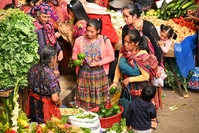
(119, 3)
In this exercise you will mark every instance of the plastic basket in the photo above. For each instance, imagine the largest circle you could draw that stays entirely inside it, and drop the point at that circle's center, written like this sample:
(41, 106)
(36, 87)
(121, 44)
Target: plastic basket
(109, 121)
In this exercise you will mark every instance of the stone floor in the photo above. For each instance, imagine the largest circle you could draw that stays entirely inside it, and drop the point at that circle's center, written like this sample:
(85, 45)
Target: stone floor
(68, 85)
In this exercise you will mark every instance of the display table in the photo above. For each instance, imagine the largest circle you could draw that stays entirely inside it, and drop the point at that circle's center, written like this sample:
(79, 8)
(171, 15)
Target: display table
(171, 55)
(5, 93)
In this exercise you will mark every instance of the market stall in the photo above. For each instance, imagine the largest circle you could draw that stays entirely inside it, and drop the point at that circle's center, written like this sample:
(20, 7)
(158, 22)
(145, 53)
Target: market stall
(73, 119)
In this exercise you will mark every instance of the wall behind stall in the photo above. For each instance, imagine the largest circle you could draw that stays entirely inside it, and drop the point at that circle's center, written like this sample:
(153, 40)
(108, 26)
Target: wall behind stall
(5, 2)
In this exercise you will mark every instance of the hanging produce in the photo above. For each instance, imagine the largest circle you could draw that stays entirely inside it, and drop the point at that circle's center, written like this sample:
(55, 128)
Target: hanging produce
(18, 46)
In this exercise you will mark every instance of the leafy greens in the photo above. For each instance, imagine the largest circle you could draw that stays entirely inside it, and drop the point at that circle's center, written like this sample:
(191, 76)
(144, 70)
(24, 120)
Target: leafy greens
(18, 47)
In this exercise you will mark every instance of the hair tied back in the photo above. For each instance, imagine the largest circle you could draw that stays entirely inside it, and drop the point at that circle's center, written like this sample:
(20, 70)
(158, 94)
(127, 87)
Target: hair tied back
(69, 4)
(139, 7)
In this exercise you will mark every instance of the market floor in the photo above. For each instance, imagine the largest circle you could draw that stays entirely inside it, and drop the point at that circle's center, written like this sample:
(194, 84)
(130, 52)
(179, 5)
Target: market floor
(179, 115)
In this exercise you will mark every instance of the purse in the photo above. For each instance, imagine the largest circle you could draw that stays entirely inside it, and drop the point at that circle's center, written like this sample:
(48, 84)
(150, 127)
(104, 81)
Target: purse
(125, 100)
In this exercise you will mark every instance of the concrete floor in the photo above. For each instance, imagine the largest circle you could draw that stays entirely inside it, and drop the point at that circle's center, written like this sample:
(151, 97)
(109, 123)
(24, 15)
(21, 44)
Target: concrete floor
(68, 85)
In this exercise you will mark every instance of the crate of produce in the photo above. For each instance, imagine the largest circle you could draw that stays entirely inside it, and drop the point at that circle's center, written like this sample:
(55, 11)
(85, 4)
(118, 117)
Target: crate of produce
(108, 122)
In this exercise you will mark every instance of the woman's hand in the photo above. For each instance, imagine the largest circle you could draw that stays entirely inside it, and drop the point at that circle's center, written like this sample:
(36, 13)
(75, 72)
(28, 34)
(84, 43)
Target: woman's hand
(113, 84)
(126, 81)
(161, 43)
(57, 34)
(56, 99)
(60, 55)
(189, 18)
(94, 64)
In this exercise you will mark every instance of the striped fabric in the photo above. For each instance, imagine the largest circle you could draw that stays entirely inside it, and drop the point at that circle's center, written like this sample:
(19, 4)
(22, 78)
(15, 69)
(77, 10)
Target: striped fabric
(92, 88)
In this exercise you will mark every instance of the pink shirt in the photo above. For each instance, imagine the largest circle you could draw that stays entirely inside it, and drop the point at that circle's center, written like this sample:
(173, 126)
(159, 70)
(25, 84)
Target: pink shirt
(107, 52)
(167, 44)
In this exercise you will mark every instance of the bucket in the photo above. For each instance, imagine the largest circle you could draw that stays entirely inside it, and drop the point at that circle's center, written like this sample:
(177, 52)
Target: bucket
(109, 121)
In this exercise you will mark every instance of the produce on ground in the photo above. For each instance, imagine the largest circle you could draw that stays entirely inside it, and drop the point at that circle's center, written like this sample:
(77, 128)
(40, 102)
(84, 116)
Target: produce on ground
(18, 46)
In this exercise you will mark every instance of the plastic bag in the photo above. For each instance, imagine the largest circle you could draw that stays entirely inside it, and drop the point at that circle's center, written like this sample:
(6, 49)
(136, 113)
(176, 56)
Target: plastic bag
(184, 54)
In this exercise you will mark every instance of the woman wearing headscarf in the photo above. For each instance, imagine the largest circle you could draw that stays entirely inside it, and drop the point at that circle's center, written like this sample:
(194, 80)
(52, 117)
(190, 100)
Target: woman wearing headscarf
(45, 28)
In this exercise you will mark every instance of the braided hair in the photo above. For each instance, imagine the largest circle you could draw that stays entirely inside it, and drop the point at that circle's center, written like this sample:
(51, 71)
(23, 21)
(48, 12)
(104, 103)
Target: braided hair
(45, 59)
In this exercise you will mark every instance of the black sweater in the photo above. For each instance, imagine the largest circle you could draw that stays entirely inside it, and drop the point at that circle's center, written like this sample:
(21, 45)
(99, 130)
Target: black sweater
(150, 31)
(140, 113)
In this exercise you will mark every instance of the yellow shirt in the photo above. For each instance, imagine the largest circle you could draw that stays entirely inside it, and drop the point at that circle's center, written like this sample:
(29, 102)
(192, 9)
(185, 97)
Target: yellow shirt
(144, 76)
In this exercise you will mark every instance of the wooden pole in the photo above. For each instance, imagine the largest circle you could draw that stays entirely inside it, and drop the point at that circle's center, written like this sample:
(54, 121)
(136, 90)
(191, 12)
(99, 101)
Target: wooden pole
(176, 78)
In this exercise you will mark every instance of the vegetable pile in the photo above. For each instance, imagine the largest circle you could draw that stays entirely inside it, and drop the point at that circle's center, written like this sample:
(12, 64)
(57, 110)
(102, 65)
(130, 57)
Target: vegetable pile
(175, 8)
(104, 112)
(119, 127)
(182, 22)
(18, 46)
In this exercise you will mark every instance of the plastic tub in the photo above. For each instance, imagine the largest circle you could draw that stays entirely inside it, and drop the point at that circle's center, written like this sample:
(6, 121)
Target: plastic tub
(109, 121)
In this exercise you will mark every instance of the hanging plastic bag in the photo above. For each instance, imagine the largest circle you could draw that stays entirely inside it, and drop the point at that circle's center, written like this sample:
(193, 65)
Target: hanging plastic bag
(184, 54)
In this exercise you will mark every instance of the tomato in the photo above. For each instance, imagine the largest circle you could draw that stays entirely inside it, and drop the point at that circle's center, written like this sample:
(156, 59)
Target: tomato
(113, 89)
(81, 56)
(77, 62)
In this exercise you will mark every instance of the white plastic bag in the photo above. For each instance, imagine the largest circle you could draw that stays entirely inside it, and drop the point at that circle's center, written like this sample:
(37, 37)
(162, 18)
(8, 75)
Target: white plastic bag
(93, 124)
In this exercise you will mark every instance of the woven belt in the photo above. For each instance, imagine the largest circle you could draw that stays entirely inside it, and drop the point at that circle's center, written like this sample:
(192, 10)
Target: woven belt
(87, 68)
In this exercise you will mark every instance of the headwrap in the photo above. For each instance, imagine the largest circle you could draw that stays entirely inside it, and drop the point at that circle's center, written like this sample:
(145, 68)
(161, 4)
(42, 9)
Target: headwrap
(43, 8)
(48, 27)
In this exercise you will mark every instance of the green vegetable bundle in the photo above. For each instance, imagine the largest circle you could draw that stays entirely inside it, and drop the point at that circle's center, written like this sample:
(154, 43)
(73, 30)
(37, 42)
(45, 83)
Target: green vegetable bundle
(18, 46)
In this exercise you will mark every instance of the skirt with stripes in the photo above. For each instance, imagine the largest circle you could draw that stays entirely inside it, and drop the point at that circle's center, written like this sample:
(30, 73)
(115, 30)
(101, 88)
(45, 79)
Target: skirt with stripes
(92, 87)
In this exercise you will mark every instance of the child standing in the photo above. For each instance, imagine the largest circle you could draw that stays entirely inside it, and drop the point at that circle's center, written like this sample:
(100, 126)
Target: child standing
(141, 115)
